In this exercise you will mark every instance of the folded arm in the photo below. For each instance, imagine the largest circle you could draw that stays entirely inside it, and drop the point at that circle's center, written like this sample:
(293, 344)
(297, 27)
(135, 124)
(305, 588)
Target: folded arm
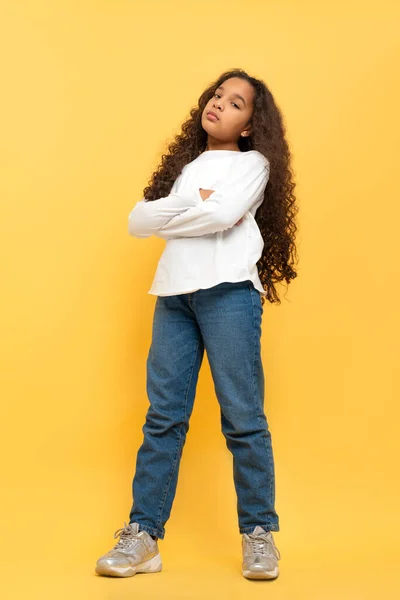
(147, 217)
(231, 200)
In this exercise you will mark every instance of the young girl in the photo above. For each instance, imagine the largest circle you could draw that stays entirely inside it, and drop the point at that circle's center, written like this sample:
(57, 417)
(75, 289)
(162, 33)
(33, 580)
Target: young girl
(223, 199)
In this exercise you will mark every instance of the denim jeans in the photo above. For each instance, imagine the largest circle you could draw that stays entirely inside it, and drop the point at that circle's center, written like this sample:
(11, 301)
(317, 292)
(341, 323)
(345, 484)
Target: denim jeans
(226, 321)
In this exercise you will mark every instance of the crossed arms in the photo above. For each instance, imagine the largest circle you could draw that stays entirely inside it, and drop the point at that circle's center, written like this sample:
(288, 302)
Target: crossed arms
(202, 212)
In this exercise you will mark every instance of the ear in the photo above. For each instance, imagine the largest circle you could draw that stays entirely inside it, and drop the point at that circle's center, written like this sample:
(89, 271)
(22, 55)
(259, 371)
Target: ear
(247, 132)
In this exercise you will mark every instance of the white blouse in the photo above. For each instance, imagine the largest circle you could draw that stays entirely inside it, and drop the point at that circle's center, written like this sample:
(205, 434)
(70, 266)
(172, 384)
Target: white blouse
(204, 247)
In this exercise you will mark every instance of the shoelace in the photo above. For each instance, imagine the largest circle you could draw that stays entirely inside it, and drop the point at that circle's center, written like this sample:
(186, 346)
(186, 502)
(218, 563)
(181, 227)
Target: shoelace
(264, 546)
(126, 536)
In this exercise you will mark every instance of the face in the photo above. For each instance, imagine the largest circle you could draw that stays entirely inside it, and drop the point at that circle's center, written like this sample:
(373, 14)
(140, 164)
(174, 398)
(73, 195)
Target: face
(232, 102)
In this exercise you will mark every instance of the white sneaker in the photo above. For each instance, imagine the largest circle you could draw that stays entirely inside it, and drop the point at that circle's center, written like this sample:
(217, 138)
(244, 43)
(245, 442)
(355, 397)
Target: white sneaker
(135, 552)
(260, 555)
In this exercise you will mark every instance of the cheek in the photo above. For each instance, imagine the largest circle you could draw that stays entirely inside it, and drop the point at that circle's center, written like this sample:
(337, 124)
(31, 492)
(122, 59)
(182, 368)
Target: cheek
(231, 122)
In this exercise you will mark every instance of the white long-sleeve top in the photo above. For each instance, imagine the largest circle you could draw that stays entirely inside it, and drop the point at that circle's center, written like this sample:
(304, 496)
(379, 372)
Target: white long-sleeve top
(204, 247)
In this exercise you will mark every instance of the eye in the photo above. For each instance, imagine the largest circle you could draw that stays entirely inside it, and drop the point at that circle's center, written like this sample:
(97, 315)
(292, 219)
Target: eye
(234, 103)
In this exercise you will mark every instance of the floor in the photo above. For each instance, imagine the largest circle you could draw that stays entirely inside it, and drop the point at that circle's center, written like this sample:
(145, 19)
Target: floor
(203, 576)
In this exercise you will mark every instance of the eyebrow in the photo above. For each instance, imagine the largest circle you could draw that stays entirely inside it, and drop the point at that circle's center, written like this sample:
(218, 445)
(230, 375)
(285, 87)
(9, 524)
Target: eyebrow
(221, 87)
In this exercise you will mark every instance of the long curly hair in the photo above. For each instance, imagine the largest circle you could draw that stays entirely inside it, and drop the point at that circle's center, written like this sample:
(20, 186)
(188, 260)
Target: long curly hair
(275, 216)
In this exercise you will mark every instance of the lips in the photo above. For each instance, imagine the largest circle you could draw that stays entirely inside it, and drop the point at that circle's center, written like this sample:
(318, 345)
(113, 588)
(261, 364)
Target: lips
(210, 112)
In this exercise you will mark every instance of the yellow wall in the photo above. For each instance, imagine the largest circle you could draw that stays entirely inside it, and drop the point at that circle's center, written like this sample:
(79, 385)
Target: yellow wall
(91, 94)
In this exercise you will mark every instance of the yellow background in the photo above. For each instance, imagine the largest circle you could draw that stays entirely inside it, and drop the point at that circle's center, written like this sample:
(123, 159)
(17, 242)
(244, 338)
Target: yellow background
(92, 92)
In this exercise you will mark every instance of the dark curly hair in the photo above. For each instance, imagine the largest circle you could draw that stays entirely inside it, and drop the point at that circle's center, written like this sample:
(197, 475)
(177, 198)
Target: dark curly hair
(275, 216)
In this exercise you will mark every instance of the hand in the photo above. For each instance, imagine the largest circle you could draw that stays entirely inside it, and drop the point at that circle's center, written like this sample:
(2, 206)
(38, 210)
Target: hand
(205, 193)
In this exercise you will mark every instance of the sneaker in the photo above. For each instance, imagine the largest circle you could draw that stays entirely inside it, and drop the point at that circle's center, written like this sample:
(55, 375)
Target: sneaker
(260, 555)
(135, 552)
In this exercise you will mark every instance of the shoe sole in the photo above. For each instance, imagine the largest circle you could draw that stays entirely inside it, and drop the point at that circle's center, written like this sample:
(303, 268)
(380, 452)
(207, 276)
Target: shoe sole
(154, 565)
(261, 574)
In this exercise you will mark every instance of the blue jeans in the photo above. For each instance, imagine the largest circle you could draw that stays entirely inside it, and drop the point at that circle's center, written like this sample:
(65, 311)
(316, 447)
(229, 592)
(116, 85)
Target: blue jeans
(225, 320)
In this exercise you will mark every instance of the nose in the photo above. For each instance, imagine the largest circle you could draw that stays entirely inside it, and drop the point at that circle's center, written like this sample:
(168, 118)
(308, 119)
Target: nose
(217, 104)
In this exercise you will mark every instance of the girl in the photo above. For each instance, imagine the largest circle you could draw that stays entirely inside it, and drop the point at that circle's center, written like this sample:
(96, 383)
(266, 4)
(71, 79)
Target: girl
(223, 199)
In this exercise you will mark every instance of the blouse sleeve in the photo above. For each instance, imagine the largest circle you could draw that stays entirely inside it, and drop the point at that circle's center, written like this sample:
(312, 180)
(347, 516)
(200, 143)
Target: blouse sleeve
(147, 217)
(232, 199)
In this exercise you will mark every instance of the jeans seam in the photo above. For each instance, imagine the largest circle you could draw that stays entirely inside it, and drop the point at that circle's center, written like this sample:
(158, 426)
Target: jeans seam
(259, 420)
(254, 352)
(179, 439)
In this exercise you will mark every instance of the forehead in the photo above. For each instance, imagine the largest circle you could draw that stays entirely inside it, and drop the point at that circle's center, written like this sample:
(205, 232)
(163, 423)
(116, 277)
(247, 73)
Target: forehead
(239, 88)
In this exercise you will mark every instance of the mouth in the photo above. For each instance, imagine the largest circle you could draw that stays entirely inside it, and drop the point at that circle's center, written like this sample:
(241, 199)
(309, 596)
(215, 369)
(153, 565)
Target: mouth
(212, 116)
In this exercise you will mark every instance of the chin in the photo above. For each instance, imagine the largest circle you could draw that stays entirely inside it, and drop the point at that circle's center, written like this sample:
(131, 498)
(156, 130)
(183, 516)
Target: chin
(204, 124)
